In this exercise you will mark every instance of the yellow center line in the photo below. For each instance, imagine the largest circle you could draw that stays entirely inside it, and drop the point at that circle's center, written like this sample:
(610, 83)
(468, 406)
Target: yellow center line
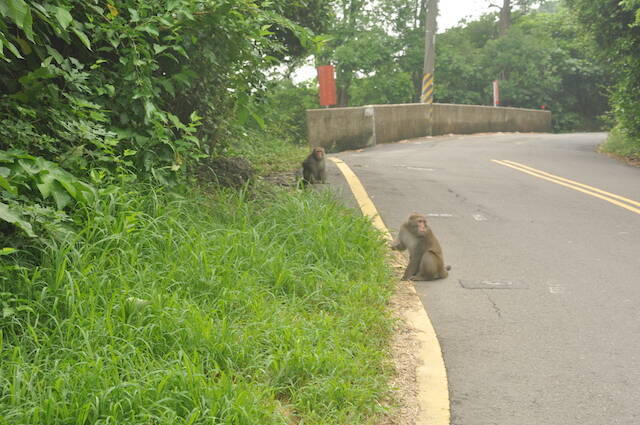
(594, 189)
(431, 375)
(588, 190)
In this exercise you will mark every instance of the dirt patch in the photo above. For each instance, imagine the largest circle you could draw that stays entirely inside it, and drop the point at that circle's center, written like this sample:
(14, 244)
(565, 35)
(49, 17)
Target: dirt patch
(404, 350)
(282, 179)
(228, 172)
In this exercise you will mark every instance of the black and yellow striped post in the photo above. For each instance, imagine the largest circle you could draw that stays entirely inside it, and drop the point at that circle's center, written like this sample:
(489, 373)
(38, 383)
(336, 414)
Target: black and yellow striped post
(427, 89)
(426, 95)
(427, 98)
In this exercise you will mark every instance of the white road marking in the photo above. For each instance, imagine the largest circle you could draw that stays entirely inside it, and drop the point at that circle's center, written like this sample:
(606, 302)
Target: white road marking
(420, 168)
(556, 289)
(479, 217)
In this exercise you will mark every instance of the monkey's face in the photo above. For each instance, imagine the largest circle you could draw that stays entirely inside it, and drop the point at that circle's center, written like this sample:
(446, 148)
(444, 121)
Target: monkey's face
(418, 224)
(318, 153)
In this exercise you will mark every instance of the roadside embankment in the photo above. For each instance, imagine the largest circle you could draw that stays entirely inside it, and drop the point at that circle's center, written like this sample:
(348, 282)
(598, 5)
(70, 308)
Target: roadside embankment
(243, 307)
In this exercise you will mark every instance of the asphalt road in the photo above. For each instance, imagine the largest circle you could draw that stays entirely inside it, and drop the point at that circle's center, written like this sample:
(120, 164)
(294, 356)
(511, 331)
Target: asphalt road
(539, 319)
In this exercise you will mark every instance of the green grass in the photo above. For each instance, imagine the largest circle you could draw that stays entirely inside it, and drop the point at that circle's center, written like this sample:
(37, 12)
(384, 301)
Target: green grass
(233, 308)
(620, 144)
(269, 153)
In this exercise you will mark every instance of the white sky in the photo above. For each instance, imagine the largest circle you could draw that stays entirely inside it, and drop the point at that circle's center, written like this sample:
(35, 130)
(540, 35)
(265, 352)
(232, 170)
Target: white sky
(452, 11)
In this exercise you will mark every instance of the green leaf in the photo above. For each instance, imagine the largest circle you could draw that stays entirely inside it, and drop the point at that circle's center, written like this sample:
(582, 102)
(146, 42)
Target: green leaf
(16, 10)
(55, 54)
(63, 16)
(7, 251)
(24, 45)
(149, 109)
(61, 196)
(159, 49)
(83, 37)
(258, 119)
(27, 25)
(168, 87)
(13, 49)
(149, 29)
(134, 15)
(8, 186)
(14, 218)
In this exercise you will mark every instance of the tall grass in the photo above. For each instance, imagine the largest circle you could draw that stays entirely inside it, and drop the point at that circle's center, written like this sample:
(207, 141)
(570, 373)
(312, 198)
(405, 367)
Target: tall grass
(223, 309)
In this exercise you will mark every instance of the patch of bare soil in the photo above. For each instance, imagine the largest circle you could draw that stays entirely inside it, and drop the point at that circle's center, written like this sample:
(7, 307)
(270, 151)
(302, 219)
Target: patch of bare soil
(404, 349)
(282, 179)
(228, 172)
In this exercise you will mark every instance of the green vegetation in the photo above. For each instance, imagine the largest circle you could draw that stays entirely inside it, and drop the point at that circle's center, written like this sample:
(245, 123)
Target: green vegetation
(223, 309)
(129, 295)
(541, 56)
(620, 143)
(134, 90)
(615, 28)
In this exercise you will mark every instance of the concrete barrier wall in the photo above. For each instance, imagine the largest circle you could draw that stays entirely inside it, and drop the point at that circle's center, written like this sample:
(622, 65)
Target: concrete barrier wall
(339, 129)
(467, 119)
(399, 122)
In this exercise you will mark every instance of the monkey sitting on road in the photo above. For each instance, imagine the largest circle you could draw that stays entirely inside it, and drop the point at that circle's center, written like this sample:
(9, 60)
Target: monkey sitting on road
(425, 255)
(313, 167)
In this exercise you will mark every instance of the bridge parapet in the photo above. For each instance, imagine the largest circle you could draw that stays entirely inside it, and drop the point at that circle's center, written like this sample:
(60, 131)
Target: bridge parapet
(339, 129)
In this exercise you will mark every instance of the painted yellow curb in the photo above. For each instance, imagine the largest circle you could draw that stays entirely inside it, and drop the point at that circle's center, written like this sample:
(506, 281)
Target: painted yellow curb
(431, 374)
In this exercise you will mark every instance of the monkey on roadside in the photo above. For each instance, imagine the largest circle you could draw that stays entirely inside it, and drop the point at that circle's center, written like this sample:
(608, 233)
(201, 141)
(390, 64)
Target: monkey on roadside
(425, 255)
(313, 167)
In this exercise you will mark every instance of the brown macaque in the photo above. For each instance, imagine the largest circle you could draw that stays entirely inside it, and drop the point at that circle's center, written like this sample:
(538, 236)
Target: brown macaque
(425, 255)
(313, 167)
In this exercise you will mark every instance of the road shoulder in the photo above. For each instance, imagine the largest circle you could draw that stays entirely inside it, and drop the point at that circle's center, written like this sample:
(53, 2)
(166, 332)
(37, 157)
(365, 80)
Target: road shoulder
(420, 383)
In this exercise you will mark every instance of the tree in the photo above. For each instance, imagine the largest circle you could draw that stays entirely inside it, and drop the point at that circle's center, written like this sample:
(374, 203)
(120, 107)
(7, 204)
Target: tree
(542, 61)
(615, 27)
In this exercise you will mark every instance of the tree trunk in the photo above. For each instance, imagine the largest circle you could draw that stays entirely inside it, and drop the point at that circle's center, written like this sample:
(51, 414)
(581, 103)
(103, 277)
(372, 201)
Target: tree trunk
(504, 22)
(343, 90)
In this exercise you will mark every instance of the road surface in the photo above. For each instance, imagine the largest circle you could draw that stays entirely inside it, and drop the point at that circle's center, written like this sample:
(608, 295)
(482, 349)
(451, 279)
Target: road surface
(539, 320)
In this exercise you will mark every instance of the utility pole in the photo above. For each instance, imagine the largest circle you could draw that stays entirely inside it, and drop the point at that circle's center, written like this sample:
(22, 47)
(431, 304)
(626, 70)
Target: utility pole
(429, 51)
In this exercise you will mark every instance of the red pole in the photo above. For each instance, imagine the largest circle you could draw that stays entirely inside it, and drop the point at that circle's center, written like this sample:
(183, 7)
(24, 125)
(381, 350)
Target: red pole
(327, 83)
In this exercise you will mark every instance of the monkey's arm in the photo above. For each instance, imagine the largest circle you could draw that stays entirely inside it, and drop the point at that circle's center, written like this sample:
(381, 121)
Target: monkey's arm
(412, 267)
(397, 245)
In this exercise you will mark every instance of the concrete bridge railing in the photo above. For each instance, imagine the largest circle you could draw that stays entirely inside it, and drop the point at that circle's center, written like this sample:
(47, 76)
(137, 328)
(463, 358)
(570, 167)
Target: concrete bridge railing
(338, 129)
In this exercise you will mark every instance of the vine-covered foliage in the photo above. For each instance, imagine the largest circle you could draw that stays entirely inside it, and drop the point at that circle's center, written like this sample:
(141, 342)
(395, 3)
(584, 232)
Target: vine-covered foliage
(144, 88)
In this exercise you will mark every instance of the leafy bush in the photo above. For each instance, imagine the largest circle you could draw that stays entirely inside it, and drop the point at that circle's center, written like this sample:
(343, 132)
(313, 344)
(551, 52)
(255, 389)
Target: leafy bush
(32, 186)
(138, 85)
(615, 27)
